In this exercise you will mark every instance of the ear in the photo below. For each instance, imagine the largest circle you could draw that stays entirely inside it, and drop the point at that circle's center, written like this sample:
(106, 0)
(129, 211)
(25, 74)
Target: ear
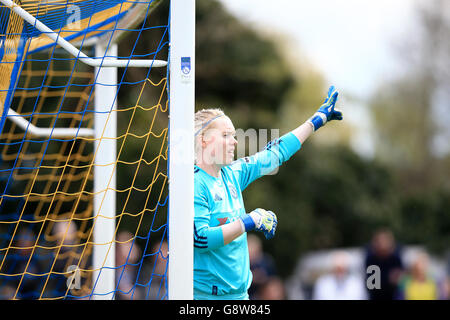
(207, 140)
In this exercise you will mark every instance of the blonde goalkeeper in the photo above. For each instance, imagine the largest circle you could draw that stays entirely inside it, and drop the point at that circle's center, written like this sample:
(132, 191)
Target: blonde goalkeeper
(221, 259)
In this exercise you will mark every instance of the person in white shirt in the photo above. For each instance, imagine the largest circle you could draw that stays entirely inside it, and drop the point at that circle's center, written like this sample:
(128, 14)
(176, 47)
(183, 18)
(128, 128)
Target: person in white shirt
(340, 283)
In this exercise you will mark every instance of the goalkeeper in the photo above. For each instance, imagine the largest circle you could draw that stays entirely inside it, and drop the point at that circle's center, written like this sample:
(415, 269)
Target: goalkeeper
(221, 258)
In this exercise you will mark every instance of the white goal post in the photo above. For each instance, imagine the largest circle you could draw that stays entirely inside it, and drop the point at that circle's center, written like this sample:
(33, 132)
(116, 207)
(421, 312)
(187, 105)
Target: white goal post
(181, 148)
(181, 159)
(181, 79)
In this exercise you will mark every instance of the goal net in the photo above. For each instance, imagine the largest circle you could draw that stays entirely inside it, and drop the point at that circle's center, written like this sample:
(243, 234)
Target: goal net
(84, 147)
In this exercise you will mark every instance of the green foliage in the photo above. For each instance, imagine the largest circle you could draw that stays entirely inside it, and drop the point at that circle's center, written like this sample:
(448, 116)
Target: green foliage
(407, 114)
(424, 219)
(324, 198)
(237, 69)
(402, 113)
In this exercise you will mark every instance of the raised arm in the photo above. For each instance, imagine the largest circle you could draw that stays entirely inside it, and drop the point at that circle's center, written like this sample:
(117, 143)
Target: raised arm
(276, 152)
(326, 112)
(303, 131)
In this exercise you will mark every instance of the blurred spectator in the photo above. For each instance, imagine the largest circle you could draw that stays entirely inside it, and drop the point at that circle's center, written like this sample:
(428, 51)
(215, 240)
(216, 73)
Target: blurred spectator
(446, 286)
(65, 230)
(272, 289)
(7, 292)
(22, 264)
(65, 237)
(384, 253)
(418, 284)
(340, 283)
(157, 289)
(127, 255)
(261, 265)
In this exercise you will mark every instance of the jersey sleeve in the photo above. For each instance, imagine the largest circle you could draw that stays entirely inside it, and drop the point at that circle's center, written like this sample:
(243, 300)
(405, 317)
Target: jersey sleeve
(276, 152)
(205, 237)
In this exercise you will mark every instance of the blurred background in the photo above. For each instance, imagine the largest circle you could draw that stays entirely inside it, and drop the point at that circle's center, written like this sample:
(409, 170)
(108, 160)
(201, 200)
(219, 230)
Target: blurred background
(373, 189)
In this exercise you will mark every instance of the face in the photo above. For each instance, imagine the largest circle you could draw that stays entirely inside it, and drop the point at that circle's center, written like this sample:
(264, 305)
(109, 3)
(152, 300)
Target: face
(219, 142)
(383, 244)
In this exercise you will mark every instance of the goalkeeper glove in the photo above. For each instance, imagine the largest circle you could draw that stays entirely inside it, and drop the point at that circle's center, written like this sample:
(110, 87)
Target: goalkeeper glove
(261, 220)
(326, 111)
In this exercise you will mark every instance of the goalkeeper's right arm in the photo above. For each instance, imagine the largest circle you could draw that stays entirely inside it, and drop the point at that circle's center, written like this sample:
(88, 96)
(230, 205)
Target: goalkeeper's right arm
(259, 220)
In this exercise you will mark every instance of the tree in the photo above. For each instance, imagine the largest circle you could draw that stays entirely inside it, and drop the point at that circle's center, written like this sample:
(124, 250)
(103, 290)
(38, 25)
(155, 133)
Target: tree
(325, 197)
(411, 112)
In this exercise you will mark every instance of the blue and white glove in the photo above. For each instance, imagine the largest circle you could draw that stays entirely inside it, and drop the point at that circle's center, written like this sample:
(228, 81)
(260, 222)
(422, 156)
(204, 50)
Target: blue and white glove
(261, 220)
(326, 112)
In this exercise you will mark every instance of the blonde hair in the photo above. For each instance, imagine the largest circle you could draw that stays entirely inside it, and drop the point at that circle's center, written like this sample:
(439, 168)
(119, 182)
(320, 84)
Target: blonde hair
(203, 120)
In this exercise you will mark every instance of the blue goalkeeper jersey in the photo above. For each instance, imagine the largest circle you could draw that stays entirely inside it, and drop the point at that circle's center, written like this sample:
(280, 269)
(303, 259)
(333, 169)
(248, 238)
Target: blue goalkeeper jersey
(223, 271)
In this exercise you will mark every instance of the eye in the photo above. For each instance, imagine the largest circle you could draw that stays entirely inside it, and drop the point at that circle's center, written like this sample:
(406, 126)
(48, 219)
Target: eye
(228, 135)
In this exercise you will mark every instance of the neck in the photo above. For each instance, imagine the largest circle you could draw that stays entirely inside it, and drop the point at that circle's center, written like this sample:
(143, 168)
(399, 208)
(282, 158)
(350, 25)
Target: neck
(211, 169)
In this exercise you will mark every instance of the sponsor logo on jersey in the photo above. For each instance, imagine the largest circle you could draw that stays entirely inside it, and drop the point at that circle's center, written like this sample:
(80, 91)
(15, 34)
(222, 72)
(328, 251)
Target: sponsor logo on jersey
(222, 221)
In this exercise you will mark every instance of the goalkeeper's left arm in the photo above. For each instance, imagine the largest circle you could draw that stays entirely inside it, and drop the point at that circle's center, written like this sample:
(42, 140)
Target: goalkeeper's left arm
(324, 114)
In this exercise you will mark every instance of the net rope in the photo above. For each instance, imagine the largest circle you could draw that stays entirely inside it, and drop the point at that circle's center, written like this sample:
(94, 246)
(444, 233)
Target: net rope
(46, 206)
